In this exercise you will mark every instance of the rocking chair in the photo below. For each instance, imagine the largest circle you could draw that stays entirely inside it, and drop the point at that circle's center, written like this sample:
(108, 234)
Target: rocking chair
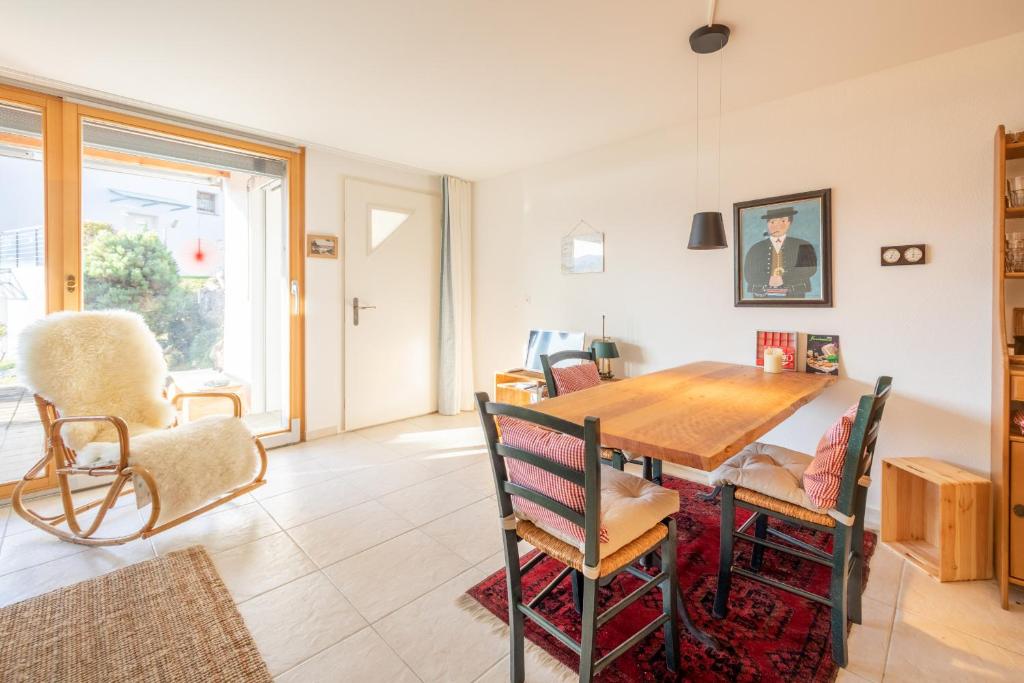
(98, 379)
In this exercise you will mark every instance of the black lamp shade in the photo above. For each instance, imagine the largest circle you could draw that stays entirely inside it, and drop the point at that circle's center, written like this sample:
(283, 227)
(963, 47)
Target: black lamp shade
(707, 231)
(604, 348)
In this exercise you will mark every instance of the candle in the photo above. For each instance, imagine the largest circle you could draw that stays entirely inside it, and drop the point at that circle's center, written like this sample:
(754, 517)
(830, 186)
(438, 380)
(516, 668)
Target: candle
(773, 360)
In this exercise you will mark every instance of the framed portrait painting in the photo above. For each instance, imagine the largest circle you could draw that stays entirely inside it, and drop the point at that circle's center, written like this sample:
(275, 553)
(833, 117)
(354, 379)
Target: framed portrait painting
(784, 250)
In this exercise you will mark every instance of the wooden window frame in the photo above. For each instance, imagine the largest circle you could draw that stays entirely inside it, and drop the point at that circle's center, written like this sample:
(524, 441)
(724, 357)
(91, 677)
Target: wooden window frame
(62, 169)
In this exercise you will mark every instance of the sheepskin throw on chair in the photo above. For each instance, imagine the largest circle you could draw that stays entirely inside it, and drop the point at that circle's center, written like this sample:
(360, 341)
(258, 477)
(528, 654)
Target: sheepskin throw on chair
(108, 363)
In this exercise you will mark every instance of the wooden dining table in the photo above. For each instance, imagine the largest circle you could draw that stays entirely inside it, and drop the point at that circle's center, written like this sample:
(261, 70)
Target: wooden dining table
(697, 415)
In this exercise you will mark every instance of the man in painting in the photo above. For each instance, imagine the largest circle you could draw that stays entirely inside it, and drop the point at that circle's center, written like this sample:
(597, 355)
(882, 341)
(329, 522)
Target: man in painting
(780, 265)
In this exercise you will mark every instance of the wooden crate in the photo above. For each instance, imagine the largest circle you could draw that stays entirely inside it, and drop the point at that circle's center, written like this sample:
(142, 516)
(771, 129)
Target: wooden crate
(938, 516)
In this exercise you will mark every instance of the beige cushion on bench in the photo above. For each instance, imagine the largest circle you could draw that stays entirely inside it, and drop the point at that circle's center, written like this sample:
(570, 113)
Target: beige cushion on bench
(630, 506)
(772, 470)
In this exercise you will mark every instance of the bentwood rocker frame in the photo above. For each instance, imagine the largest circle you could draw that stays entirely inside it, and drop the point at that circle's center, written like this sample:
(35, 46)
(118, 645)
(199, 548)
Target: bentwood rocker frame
(592, 568)
(64, 462)
(651, 466)
(846, 560)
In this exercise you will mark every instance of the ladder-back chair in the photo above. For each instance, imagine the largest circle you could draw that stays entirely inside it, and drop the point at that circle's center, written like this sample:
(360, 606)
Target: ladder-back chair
(844, 522)
(582, 376)
(549, 485)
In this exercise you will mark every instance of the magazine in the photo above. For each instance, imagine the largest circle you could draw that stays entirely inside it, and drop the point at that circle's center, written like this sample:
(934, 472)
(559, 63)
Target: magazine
(823, 354)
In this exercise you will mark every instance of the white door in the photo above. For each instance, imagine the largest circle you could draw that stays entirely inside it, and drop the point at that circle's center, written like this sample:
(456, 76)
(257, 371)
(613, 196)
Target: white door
(392, 290)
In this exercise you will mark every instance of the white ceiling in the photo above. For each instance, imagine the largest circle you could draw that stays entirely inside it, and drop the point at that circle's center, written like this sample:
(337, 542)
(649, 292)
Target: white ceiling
(469, 87)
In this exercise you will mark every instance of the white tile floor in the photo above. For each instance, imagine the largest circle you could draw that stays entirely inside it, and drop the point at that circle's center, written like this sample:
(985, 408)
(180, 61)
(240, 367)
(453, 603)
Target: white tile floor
(347, 566)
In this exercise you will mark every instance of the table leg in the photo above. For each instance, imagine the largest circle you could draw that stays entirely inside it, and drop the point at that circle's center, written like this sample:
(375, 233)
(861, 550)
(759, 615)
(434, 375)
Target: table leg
(697, 634)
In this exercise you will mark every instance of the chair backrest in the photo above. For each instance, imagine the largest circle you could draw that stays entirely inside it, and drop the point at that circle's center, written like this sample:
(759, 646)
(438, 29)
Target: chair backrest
(860, 452)
(549, 361)
(96, 363)
(582, 482)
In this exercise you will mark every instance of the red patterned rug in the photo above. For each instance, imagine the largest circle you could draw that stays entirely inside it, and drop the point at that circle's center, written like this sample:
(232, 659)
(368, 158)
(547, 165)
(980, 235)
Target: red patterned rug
(769, 635)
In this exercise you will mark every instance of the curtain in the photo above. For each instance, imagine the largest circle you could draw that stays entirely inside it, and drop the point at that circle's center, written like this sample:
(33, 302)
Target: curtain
(455, 376)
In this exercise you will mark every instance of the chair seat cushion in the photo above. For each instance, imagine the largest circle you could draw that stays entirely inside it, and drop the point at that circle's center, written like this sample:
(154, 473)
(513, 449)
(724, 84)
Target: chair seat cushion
(771, 470)
(630, 506)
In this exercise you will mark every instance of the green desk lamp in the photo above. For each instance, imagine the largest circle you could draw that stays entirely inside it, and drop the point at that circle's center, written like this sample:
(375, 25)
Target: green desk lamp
(604, 350)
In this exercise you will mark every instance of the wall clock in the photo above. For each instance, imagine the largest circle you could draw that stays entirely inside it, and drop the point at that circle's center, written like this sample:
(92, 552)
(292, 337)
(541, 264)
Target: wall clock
(905, 255)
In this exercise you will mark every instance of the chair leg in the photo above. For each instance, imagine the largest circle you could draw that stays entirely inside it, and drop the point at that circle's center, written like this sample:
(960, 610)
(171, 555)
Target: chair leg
(761, 532)
(576, 577)
(856, 587)
(838, 588)
(725, 552)
(711, 495)
(668, 597)
(517, 634)
(589, 630)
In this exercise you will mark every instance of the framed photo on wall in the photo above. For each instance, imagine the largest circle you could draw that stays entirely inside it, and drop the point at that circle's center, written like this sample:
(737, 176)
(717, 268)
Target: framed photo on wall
(784, 250)
(322, 246)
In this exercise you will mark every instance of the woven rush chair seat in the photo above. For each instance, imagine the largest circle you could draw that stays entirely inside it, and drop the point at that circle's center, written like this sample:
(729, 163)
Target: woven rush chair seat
(783, 507)
(573, 556)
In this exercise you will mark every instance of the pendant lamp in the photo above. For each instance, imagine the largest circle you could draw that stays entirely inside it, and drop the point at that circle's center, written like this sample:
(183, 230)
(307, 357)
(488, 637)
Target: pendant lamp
(708, 228)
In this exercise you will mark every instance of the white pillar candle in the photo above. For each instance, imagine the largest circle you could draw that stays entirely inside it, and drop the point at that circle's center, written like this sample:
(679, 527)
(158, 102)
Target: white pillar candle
(773, 360)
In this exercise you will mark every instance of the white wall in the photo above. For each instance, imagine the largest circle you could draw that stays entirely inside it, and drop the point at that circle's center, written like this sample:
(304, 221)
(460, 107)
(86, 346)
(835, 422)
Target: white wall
(326, 171)
(908, 155)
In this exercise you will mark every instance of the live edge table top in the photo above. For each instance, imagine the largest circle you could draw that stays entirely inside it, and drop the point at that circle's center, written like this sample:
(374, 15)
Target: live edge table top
(696, 415)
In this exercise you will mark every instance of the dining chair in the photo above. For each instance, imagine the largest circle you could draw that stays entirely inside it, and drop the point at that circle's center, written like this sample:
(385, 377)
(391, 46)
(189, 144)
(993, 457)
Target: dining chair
(768, 481)
(585, 376)
(553, 493)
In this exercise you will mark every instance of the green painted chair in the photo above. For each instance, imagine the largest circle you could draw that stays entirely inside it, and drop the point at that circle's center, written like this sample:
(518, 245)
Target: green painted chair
(651, 467)
(560, 496)
(845, 523)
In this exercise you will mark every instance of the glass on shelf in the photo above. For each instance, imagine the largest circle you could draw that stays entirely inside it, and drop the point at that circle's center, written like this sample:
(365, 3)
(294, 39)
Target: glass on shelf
(1014, 255)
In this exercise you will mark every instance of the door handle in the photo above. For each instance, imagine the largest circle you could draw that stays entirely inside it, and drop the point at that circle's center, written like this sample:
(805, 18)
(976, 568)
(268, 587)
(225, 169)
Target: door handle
(294, 289)
(70, 283)
(355, 311)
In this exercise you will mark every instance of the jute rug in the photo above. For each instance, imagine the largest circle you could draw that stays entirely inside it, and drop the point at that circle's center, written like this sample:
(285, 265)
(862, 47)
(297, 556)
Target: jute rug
(769, 635)
(166, 619)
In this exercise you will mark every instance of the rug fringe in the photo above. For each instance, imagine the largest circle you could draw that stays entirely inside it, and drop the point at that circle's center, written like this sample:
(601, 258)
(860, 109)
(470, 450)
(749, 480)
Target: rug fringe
(469, 604)
(536, 655)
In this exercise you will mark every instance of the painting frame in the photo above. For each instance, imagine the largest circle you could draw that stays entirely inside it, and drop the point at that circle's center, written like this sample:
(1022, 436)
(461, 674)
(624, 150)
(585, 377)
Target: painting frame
(822, 247)
(314, 248)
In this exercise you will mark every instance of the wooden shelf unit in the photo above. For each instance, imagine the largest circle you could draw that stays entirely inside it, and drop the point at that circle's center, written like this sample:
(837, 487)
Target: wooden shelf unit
(1007, 452)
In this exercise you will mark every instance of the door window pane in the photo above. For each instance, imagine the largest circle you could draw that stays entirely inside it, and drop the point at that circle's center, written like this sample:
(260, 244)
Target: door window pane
(384, 222)
(185, 235)
(22, 279)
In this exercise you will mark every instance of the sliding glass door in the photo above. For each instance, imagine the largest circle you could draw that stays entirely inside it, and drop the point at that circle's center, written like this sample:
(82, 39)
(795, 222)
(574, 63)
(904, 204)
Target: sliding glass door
(28, 217)
(195, 237)
(199, 233)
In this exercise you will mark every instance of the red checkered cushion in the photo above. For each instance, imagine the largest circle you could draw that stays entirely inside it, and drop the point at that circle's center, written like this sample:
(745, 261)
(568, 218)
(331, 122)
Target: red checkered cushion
(576, 377)
(562, 448)
(824, 475)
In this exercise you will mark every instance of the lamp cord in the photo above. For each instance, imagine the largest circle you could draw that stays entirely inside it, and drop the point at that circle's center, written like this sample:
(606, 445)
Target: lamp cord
(718, 164)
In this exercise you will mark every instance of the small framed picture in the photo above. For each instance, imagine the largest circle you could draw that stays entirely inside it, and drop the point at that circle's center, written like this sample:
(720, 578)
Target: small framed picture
(322, 246)
(784, 250)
